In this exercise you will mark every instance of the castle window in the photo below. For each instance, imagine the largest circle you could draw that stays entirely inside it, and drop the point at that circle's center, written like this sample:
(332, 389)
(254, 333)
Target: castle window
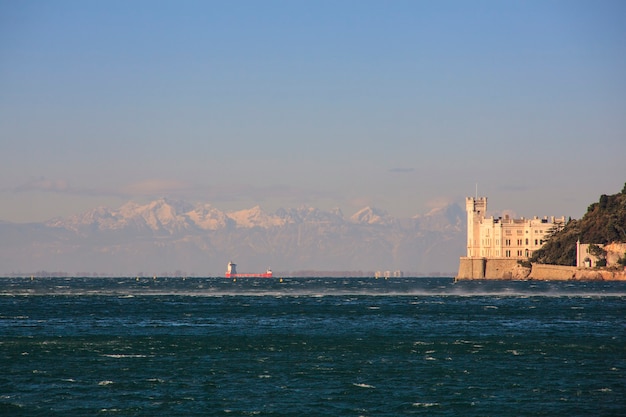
(527, 241)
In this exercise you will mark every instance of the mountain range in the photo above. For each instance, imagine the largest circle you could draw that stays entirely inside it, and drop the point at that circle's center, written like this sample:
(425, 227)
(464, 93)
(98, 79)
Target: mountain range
(170, 237)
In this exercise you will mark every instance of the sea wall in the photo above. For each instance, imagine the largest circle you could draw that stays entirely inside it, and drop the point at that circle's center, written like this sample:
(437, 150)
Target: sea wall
(498, 268)
(572, 273)
(482, 268)
(471, 268)
(552, 272)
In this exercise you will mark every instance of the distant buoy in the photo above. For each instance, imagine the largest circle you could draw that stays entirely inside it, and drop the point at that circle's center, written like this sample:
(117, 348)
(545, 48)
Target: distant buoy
(281, 280)
(234, 279)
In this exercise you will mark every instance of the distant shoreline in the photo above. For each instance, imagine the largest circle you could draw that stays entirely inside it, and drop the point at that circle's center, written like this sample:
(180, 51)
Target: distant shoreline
(276, 276)
(178, 274)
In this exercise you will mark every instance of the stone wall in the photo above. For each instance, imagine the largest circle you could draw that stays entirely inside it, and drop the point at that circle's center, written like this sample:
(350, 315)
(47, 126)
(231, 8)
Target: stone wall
(563, 273)
(493, 268)
(504, 269)
(498, 268)
(552, 272)
(471, 268)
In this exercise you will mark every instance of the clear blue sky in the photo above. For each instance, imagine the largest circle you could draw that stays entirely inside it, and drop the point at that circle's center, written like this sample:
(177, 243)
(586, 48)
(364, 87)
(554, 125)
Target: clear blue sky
(400, 105)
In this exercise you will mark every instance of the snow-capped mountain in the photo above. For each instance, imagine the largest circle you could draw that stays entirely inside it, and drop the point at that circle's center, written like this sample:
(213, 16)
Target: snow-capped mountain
(207, 217)
(169, 235)
(255, 217)
(369, 215)
(158, 216)
(450, 218)
(165, 216)
(310, 215)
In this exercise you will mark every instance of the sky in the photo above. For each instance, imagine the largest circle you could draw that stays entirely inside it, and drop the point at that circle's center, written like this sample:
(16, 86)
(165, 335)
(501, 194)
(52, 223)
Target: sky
(400, 105)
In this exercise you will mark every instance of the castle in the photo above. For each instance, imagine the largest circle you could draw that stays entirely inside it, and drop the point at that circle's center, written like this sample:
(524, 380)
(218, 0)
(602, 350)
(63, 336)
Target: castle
(495, 246)
(489, 237)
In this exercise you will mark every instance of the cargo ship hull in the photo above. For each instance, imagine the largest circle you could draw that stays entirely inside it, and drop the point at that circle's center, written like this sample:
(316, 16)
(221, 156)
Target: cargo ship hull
(231, 272)
(262, 275)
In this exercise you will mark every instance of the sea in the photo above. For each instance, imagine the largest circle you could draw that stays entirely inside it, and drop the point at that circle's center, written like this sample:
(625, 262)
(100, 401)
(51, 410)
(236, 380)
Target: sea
(311, 347)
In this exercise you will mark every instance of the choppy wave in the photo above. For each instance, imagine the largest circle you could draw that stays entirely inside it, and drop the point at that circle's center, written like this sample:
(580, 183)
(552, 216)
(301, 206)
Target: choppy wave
(300, 287)
(319, 346)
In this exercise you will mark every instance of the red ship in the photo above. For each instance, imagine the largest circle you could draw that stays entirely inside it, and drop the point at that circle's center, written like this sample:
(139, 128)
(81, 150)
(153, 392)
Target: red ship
(231, 272)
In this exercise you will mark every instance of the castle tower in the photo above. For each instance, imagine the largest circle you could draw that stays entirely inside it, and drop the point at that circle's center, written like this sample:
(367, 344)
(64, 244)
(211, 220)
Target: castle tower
(476, 208)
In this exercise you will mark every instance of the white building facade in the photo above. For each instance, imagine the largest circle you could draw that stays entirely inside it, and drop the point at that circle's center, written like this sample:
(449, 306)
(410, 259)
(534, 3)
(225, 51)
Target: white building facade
(489, 237)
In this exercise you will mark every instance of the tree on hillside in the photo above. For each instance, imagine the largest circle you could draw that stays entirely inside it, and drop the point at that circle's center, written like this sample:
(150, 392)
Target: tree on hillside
(604, 222)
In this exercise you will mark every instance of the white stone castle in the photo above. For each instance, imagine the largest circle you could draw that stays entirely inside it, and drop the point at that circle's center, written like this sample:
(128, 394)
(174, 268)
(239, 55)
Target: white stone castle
(505, 238)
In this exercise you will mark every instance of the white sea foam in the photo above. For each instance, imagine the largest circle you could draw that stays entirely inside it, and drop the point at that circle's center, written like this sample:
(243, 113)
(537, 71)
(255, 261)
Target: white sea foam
(425, 404)
(159, 380)
(119, 355)
(360, 385)
(289, 291)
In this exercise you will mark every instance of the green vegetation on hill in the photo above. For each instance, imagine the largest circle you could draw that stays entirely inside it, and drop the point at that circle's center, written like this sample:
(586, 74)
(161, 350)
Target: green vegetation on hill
(604, 222)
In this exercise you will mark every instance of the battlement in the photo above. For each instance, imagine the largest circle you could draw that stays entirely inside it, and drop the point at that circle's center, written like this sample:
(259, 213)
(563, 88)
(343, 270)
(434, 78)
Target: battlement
(476, 204)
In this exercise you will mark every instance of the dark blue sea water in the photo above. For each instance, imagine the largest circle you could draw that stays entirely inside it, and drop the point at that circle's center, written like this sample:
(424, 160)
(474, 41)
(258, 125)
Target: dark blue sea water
(318, 347)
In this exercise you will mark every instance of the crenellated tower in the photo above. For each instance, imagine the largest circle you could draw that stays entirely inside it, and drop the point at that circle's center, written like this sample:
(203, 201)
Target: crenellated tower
(476, 208)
